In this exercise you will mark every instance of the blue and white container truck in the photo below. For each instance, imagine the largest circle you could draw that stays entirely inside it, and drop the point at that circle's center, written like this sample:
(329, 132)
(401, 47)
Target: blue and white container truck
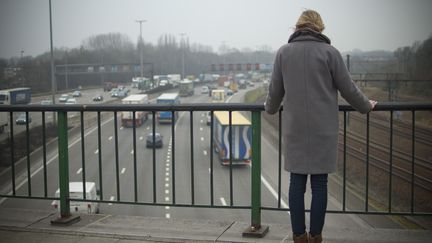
(241, 134)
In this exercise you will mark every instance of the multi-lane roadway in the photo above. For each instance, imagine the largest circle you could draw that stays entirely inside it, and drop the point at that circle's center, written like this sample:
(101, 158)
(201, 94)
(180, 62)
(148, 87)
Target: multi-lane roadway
(161, 176)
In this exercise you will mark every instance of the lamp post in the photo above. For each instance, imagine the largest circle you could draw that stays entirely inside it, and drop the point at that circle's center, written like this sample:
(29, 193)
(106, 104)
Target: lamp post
(66, 67)
(183, 55)
(53, 84)
(140, 45)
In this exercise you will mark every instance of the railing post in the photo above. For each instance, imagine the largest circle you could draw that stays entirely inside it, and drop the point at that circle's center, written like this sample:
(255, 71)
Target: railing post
(256, 229)
(65, 216)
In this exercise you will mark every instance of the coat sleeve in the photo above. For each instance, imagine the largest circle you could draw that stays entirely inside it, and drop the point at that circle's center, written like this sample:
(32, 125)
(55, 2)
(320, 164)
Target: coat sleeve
(347, 88)
(276, 90)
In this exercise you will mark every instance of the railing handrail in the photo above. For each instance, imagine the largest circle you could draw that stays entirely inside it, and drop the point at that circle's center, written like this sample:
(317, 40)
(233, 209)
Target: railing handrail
(381, 106)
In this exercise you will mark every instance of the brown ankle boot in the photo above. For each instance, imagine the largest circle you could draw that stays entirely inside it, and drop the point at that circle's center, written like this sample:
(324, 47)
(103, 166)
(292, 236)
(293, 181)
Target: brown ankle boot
(301, 238)
(315, 239)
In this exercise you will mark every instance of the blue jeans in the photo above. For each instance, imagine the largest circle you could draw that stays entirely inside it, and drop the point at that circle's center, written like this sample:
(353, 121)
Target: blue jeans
(318, 206)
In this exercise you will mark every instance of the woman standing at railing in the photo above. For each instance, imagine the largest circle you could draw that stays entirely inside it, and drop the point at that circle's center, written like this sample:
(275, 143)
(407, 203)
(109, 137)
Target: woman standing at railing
(308, 73)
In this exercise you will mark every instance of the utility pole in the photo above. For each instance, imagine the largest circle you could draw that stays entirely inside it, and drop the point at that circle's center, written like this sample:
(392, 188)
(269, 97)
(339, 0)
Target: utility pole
(140, 45)
(183, 54)
(66, 76)
(53, 84)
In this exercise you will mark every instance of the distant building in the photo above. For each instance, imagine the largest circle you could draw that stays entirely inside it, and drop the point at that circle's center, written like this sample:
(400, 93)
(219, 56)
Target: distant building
(10, 72)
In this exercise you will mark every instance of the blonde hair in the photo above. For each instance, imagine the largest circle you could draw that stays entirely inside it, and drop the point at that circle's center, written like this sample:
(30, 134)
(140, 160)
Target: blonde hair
(310, 19)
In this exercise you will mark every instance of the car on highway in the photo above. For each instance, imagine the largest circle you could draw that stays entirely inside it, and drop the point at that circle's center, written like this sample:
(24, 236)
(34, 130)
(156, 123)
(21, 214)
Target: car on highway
(229, 92)
(46, 102)
(76, 93)
(208, 118)
(158, 140)
(121, 94)
(22, 119)
(204, 90)
(98, 97)
(63, 98)
(71, 101)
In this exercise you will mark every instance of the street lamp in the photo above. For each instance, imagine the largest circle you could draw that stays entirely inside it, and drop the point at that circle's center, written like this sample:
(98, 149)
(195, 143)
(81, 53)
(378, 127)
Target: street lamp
(183, 55)
(53, 84)
(140, 45)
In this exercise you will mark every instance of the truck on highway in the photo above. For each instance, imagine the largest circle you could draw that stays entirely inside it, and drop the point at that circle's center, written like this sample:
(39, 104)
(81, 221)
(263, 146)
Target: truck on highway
(233, 86)
(140, 116)
(167, 99)
(76, 192)
(218, 96)
(241, 135)
(3, 121)
(16, 96)
(186, 88)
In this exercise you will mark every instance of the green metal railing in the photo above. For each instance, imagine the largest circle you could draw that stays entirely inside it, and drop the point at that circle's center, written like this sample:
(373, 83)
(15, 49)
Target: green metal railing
(255, 206)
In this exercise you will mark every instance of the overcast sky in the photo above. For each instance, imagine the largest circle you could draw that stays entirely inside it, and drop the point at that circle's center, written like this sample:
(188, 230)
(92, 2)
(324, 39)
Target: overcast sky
(350, 24)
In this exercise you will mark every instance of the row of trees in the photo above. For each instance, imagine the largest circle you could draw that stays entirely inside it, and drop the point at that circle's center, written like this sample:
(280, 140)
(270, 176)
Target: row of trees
(117, 48)
(167, 54)
(416, 59)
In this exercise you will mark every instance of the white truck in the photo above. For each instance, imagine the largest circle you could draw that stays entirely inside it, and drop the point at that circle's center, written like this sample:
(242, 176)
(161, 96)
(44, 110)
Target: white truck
(3, 121)
(76, 192)
(140, 116)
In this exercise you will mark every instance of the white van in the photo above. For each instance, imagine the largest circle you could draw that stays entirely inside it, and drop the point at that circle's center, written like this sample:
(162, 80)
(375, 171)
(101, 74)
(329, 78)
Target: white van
(76, 192)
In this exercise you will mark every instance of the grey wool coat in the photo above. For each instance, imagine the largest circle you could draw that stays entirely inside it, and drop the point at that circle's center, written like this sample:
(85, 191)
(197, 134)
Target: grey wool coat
(308, 73)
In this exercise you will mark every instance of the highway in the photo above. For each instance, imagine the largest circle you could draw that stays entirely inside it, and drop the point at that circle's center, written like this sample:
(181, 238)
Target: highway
(164, 173)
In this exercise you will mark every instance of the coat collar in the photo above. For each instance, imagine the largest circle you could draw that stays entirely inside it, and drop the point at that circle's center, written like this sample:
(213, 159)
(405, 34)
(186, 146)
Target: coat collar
(306, 34)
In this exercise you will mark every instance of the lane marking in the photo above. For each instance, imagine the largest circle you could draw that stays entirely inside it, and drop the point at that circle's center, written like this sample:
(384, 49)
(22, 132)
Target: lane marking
(167, 174)
(79, 171)
(121, 128)
(223, 201)
(53, 158)
(132, 152)
(202, 138)
(168, 156)
(201, 129)
(110, 138)
(167, 207)
(209, 170)
(111, 199)
(167, 216)
(201, 121)
(167, 169)
(166, 199)
(167, 179)
(97, 151)
(273, 192)
(205, 152)
(166, 184)
(123, 171)
(141, 138)
(148, 128)
(166, 191)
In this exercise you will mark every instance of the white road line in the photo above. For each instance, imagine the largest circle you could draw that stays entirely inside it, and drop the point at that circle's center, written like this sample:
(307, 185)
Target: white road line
(202, 114)
(110, 138)
(167, 164)
(168, 156)
(111, 199)
(209, 170)
(141, 138)
(123, 171)
(166, 191)
(273, 192)
(132, 152)
(52, 159)
(201, 121)
(167, 179)
(97, 151)
(121, 128)
(167, 216)
(167, 174)
(79, 170)
(148, 128)
(167, 169)
(202, 138)
(223, 201)
(166, 184)
(201, 129)
(205, 152)
(166, 199)
(167, 207)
